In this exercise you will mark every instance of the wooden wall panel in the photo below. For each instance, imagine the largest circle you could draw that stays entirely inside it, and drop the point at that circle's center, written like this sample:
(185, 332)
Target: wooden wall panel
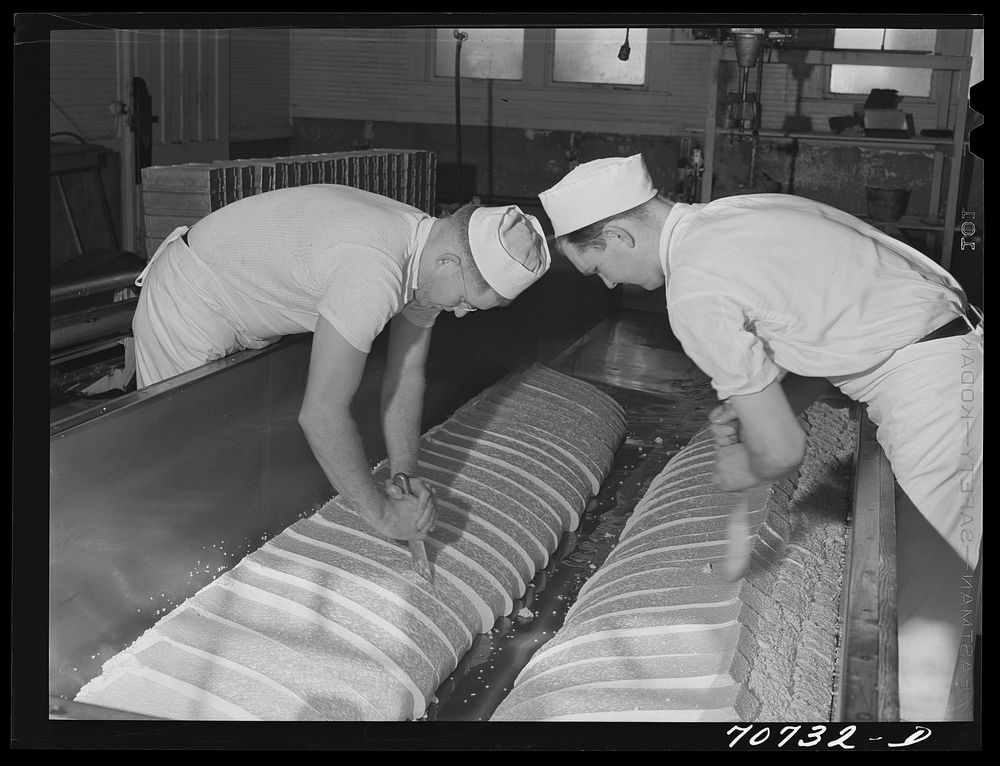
(260, 83)
(83, 81)
(187, 73)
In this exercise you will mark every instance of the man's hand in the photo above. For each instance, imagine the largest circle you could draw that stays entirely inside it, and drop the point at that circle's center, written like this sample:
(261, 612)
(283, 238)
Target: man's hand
(769, 439)
(407, 517)
(725, 425)
(732, 469)
(732, 461)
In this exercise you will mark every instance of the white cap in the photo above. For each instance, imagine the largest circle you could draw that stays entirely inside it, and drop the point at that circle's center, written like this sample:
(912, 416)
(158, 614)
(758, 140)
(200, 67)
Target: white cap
(509, 248)
(597, 190)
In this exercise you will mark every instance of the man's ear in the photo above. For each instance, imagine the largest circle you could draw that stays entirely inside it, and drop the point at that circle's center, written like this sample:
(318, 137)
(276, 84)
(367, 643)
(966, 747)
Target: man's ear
(614, 231)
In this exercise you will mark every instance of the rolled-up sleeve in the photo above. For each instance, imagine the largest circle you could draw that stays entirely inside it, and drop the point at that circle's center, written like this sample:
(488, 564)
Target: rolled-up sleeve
(717, 334)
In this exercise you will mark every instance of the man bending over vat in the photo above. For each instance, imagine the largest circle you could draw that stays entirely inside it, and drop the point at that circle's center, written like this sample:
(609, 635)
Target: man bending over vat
(775, 297)
(341, 263)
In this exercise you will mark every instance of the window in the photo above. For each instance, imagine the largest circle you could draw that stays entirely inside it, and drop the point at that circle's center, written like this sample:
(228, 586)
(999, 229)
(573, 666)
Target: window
(859, 79)
(591, 56)
(977, 57)
(849, 78)
(913, 40)
(490, 54)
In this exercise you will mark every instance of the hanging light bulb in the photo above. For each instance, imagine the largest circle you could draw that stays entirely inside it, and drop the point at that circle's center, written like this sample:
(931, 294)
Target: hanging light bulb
(624, 51)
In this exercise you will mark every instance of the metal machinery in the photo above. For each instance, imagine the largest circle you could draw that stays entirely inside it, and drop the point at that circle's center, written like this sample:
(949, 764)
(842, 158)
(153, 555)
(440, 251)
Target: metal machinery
(743, 108)
(154, 493)
(748, 42)
(90, 350)
(91, 298)
(744, 111)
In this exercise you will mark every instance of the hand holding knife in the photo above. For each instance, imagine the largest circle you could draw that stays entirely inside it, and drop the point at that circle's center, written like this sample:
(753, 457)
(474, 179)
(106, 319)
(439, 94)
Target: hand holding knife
(417, 549)
(738, 543)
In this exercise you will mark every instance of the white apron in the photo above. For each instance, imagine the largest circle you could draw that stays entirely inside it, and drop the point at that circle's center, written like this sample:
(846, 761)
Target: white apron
(180, 322)
(927, 402)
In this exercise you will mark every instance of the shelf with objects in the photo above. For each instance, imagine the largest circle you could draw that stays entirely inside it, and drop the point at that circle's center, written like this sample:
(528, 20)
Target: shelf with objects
(931, 222)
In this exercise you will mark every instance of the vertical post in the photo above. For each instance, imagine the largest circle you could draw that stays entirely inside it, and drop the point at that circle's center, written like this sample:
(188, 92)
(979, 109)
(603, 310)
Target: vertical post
(935, 239)
(130, 190)
(69, 214)
(711, 105)
(459, 36)
(955, 167)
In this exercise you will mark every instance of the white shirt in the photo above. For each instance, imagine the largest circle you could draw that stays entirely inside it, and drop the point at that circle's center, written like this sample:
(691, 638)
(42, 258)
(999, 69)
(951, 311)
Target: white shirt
(761, 283)
(287, 257)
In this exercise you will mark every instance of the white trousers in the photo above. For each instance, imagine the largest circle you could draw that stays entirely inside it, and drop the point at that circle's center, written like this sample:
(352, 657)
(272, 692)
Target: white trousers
(927, 404)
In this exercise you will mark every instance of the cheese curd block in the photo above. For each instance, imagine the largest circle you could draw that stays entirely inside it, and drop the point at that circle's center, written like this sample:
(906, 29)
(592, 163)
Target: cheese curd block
(329, 621)
(657, 634)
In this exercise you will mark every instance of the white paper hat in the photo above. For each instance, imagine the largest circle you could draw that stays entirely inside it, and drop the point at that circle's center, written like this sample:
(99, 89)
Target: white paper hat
(596, 190)
(509, 248)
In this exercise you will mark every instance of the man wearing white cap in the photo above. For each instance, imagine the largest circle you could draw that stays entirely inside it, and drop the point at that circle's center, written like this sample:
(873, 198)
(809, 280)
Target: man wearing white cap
(341, 263)
(775, 297)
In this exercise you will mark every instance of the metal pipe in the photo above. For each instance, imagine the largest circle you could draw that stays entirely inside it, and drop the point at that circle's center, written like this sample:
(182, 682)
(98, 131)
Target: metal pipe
(88, 325)
(69, 213)
(126, 45)
(93, 285)
(459, 36)
(756, 124)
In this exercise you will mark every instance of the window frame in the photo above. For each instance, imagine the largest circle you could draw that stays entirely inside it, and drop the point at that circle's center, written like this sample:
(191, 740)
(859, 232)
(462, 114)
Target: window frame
(837, 96)
(550, 67)
(886, 50)
(431, 75)
(935, 78)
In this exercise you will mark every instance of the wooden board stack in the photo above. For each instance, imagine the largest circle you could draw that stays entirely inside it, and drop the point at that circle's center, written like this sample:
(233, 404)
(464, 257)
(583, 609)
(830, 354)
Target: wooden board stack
(178, 195)
(657, 634)
(329, 621)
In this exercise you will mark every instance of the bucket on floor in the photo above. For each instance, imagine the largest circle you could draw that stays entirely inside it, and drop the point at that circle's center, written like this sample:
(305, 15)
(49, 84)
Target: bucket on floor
(887, 204)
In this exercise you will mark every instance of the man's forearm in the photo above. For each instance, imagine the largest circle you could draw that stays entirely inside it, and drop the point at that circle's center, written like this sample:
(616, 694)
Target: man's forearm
(403, 393)
(738, 470)
(402, 408)
(759, 437)
(334, 439)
